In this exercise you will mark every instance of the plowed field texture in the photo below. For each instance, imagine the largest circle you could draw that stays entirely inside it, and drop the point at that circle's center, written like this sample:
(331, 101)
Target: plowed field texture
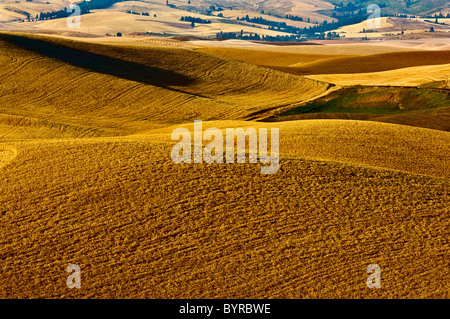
(87, 178)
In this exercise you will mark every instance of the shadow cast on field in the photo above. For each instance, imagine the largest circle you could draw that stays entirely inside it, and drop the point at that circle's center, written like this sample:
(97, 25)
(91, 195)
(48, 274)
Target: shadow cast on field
(102, 64)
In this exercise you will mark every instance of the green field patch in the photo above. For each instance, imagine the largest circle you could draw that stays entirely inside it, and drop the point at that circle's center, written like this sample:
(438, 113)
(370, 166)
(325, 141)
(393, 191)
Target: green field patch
(376, 101)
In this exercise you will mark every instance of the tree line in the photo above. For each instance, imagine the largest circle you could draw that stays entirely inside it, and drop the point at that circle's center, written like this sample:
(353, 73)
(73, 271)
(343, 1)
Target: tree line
(347, 19)
(195, 20)
(257, 37)
(147, 14)
(273, 25)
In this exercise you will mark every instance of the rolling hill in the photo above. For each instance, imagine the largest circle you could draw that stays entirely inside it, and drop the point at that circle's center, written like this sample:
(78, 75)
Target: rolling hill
(86, 177)
(140, 226)
(106, 91)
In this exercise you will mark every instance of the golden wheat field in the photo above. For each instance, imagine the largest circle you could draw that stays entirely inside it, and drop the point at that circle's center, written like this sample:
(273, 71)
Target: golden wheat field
(409, 76)
(267, 58)
(86, 178)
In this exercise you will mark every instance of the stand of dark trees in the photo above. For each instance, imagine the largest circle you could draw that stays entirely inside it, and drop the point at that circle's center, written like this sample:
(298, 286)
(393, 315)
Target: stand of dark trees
(257, 37)
(273, 25)
(440, 15)
(293, 18)
(195, 20)
(343, 20)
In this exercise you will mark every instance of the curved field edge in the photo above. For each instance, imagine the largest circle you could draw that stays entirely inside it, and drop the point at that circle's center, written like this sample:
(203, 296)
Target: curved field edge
(432, 76)
(141, 226)
(384, 145)
(421, 107)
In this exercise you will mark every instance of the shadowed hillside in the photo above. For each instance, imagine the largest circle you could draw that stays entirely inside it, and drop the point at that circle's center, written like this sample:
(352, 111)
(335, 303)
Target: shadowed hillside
(370, 63)
(71, 88)
(98, 63)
